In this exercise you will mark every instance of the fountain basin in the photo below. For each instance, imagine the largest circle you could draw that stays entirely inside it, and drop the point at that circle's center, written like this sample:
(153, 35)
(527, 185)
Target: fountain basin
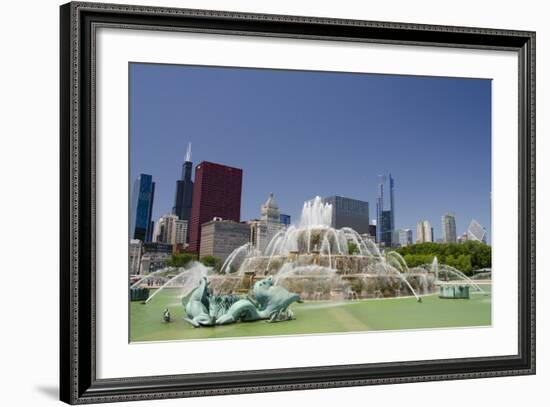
(313, 286)
(321, 262)
(139, 293)
(452, 291)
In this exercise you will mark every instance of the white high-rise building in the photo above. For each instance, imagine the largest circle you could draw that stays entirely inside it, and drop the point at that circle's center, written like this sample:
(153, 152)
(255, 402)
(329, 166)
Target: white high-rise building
(134, 259)
(170, 229)
(424, 232)
(419, 232)
(405, 237)
(476, 232)
(448, 226)
(181, 232)
(263, 230)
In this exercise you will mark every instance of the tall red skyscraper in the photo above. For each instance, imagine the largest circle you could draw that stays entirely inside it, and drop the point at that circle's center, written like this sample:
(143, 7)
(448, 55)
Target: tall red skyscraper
(216, 193)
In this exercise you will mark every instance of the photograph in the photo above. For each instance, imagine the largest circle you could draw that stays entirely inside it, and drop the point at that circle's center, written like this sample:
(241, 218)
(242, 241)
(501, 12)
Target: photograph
(266, 202)
(275, 203)
(276, 200)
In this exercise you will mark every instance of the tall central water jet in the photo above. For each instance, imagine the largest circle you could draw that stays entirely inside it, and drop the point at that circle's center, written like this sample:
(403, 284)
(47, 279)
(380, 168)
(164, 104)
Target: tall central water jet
(316, 214)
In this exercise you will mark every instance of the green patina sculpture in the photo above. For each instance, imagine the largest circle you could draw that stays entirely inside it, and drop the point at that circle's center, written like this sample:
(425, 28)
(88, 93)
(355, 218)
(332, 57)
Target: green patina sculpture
(454, 291)
(166, 315)
(271, 303)
(197, 307)
(139, 293)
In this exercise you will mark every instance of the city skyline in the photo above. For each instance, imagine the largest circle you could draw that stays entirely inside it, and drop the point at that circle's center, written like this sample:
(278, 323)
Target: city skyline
(277, 160)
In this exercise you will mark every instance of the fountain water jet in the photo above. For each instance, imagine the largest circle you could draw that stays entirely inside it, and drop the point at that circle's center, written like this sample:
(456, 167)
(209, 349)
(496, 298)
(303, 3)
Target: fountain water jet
(153, 274)
(435, 267)
(246, 249)
(326, 246)
(448, 269)
(397, 261)
(192, 277)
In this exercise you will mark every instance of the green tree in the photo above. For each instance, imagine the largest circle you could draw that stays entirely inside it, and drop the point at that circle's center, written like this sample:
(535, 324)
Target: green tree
(180, 259)
(466, 257)
(315, 240)
(464, 262)
(353, 248)
(414, 260)
(212, 261)
(481, 254)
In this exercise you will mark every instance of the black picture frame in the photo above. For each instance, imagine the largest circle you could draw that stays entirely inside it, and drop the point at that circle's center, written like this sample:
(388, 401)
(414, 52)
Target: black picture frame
(78, 382)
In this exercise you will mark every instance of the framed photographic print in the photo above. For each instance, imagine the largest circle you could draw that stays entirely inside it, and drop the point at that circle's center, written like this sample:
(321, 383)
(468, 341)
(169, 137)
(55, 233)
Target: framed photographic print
(269, 203)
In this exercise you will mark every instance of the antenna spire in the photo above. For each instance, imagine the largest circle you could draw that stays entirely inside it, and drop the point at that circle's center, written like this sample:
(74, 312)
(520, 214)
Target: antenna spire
(188, 153)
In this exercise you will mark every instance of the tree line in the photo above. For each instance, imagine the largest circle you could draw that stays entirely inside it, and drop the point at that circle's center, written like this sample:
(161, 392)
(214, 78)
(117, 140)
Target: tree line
(466, 257)
(182, 259)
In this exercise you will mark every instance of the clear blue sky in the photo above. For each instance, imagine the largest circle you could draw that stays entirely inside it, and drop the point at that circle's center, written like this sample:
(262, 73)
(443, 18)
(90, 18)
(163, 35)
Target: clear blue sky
(300, 134)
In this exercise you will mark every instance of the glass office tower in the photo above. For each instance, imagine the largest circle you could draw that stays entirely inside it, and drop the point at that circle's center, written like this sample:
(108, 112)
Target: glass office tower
(142, 208)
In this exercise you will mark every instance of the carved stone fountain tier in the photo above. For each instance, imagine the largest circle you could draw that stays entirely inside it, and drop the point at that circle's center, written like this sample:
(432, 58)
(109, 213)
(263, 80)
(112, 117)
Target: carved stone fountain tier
(340, 286)
(345, 264)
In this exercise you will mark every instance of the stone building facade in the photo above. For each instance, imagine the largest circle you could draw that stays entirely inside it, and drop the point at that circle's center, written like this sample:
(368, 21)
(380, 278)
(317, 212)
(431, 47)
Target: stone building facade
(220, 237)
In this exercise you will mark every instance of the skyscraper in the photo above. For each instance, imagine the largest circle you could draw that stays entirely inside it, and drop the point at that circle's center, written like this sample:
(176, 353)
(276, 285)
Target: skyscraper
(142, 208)
(384, 231)
(349, 212)
(170, 229)
(448, 226)
(424, 232)
(405, 237)
(183, 199)
(385, 214)
(216, 194)
(477, 232)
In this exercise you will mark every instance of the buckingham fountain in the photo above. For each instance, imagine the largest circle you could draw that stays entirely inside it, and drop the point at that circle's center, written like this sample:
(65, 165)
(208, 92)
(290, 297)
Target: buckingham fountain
(310, 261)
(320, 262)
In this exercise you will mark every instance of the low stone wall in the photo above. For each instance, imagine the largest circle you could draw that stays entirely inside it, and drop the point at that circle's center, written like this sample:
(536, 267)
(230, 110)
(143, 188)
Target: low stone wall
(357, 286)
(336, 287)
